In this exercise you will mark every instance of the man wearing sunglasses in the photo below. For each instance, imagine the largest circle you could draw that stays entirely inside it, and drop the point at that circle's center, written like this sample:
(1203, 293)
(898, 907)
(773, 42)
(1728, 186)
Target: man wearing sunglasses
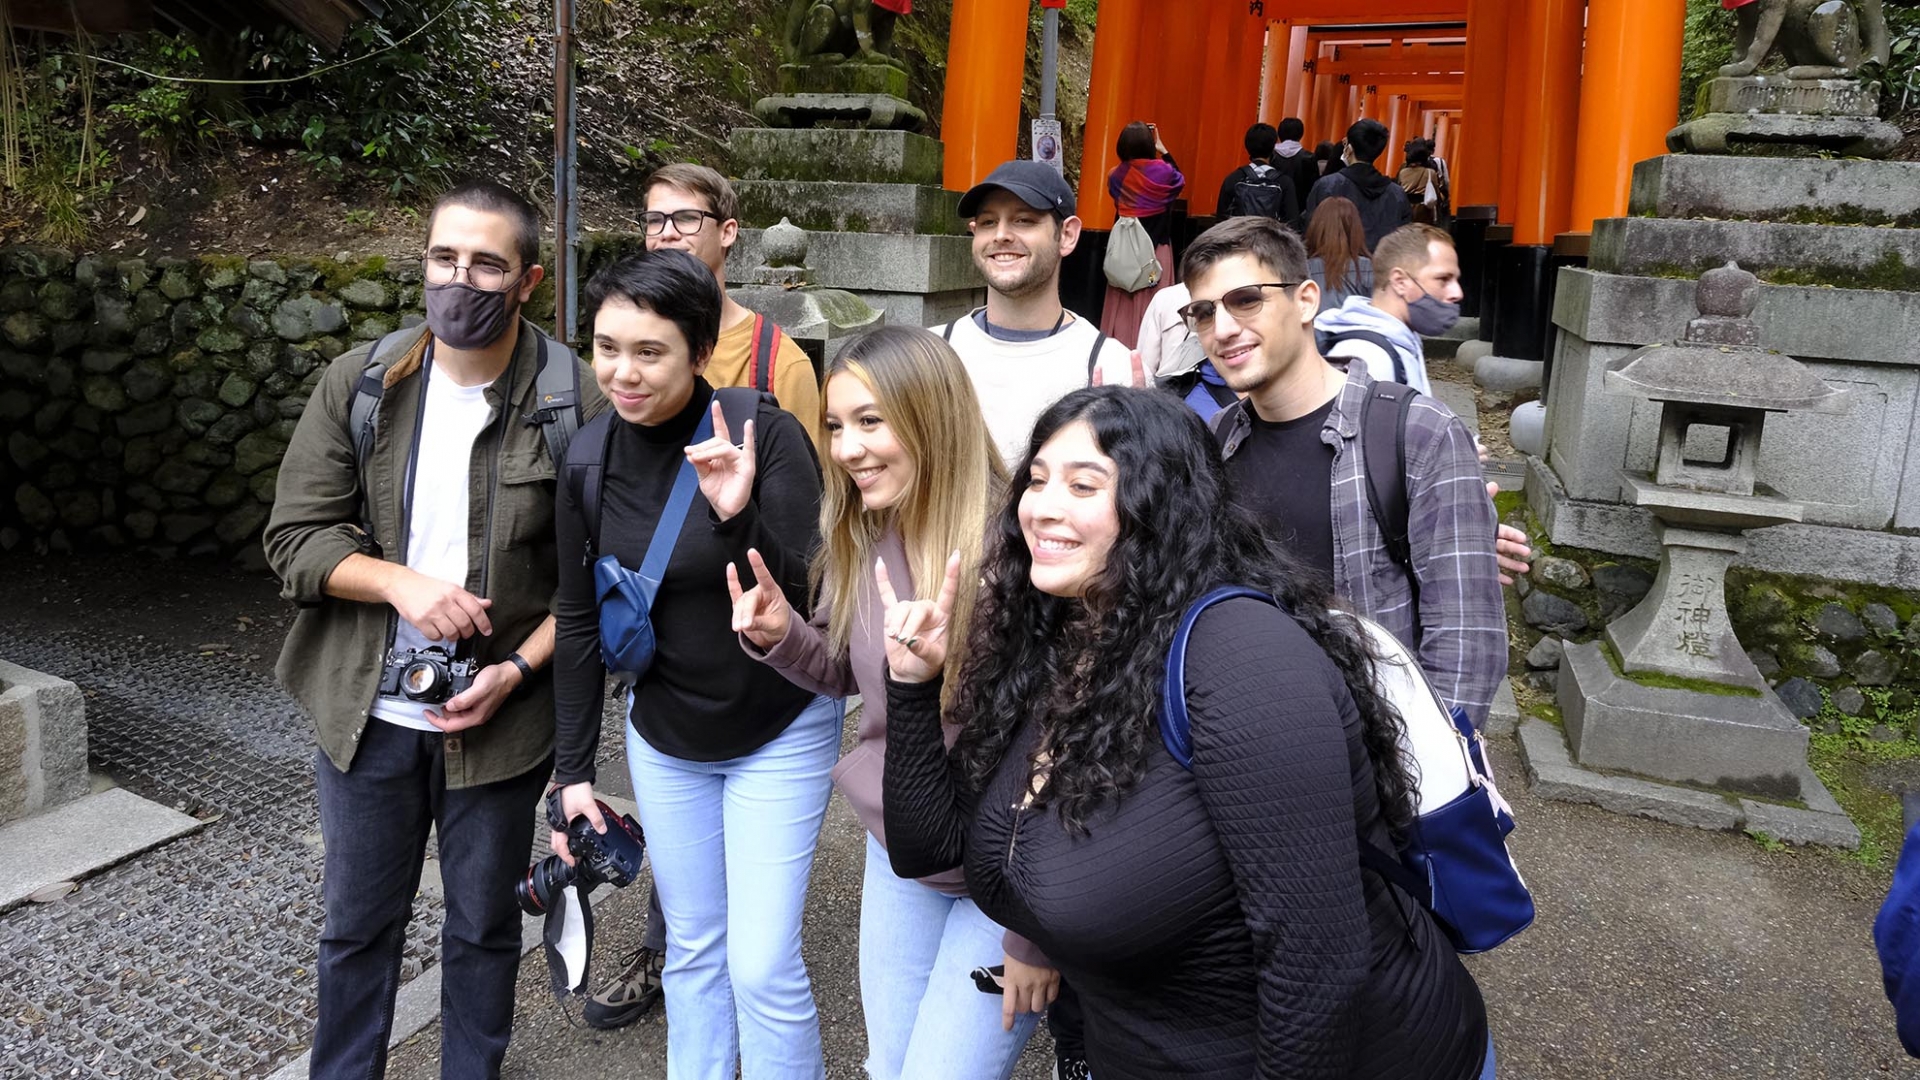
(693, 209)
(1299, 449)
(413, 526)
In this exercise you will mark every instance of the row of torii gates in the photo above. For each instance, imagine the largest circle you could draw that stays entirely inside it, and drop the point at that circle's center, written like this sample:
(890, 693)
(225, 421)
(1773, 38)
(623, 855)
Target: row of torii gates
(1541, 107)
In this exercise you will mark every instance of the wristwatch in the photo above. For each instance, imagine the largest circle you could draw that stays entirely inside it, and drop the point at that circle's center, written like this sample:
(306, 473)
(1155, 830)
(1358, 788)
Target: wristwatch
(526, 669)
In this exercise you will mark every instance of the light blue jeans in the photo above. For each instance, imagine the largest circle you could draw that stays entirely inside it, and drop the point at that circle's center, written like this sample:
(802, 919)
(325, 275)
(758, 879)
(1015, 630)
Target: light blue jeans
(925, 1018)
(732, 845)
(1486, 1071)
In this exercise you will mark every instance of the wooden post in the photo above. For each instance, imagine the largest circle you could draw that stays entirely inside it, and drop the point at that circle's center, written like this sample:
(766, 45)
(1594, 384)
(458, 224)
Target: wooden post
(1477, 170)
(1630, 97)
(1116, 47)
(986, 61)
(1550, 120)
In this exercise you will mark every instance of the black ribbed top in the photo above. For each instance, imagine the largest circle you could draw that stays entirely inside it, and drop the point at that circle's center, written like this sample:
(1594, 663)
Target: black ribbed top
(1215, 922)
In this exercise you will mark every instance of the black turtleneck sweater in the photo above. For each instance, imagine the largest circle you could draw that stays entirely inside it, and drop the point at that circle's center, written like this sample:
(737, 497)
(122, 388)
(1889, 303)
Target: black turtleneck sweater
(704, 699)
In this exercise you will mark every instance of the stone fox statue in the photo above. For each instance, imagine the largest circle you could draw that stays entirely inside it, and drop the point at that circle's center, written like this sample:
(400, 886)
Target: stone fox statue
(833, 30)
(1821, 39)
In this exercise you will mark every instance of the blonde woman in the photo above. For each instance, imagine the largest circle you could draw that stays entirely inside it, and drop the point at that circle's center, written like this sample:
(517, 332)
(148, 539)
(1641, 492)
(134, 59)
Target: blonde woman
(916, 473)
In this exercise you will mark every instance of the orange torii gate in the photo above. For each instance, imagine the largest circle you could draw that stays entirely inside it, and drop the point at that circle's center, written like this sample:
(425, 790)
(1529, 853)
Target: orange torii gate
(1205, 69)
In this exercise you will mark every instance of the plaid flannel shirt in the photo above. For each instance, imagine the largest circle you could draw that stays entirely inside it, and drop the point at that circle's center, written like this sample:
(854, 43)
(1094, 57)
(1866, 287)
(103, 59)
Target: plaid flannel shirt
(1462, 616)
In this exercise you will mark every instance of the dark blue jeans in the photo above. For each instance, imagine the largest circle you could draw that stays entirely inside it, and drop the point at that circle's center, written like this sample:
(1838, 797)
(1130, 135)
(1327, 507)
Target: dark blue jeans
(374, 820)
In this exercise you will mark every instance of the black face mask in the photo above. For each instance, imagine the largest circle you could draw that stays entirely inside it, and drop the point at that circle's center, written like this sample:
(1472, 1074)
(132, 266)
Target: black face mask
(469, 318)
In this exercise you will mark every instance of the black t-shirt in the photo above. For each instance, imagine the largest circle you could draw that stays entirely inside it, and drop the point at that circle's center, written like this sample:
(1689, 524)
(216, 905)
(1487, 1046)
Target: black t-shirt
(1284, 474)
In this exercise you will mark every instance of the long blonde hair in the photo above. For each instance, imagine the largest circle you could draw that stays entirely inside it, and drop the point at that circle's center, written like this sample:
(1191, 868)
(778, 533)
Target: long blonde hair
(926, 398)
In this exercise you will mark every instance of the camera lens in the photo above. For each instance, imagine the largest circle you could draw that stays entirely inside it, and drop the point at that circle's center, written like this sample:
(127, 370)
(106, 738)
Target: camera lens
(542, 880)
(419, 679)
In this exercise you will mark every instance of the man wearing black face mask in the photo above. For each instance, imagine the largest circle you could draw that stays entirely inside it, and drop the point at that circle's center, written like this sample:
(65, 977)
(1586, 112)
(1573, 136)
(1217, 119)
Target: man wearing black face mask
(413, 525)
(1416, 294)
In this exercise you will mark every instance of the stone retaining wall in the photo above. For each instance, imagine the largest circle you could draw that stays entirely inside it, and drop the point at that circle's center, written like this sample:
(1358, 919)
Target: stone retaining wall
(149, 401)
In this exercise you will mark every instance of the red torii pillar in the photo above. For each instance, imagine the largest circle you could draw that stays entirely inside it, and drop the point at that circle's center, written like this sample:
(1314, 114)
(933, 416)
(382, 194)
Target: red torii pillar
(1549, 125)
(986, 63)
(1629, 99)
(1477, 163)
(1116, 50)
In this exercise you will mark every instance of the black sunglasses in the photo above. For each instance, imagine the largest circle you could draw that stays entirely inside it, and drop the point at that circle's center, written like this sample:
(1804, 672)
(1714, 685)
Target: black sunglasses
(1242, 303)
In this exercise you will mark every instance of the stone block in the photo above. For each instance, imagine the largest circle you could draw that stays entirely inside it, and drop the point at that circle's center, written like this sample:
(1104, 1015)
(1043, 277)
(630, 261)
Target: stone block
(82, 838)
(1503, 374)
(1796, 826)
(1784, 135)
(43, 742)
(1841, 257)
(1552, 774)
(823, 206)
(843, 154)
(1734, 743)
(1838, 192)
(1503, 718)
(842, 79)
(1546, 654)
(1801, 697)
(874, 262)
(1553, 614)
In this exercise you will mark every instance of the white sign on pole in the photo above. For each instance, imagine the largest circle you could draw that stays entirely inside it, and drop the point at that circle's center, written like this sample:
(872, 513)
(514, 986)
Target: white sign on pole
(1046, 144)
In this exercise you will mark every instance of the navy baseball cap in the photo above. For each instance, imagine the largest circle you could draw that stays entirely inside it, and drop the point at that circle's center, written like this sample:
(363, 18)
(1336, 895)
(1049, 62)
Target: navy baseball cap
(1032, 182)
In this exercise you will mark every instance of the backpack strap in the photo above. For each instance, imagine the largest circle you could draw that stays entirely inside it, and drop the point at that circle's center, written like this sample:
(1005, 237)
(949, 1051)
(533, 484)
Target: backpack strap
(585, 471)
(766, 338)
(946, 332)
(1327, 342)
(1093, 356)
(556, 393)
(1383, 435)
(363, 413)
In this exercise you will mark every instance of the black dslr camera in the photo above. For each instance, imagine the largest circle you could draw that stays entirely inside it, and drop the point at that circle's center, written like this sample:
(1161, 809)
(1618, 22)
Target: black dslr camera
(612, 857)
(430, 675)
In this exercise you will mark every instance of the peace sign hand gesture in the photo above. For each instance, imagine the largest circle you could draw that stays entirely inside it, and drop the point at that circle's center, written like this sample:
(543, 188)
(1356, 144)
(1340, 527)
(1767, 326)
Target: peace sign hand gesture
(916, 630)
(726, 471)
(762, 612)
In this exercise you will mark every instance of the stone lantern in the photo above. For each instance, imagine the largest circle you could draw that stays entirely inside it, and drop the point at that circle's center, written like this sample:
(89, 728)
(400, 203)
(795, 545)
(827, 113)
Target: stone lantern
(1714, 388)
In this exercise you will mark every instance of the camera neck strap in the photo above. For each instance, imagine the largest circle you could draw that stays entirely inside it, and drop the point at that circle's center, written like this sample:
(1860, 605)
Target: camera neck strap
(497, 424)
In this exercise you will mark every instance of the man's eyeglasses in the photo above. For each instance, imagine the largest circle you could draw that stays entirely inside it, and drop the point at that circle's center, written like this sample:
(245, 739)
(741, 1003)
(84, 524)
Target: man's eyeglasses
(486, 277)
(685, 222)
(1242, 303)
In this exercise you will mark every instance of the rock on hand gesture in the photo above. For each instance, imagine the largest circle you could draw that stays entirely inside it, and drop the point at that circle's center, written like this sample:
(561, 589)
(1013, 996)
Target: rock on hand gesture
(916, 630)
(726, 471)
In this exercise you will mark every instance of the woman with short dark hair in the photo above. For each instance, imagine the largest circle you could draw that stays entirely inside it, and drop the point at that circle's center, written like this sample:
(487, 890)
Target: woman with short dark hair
(729, 761)
(1216, 921)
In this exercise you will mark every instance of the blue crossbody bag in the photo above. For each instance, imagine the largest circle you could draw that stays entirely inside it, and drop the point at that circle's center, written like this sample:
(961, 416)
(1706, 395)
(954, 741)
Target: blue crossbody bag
(1455, 863)
(626, 596)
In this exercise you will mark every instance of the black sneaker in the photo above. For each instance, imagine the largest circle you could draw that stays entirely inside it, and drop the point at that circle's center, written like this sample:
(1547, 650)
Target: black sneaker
(1069, 1068)
(628, 997)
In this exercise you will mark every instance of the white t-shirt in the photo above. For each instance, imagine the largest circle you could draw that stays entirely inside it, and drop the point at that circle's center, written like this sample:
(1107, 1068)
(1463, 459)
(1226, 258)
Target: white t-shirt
(1017, 380)
(1162, 330)
(437, 534)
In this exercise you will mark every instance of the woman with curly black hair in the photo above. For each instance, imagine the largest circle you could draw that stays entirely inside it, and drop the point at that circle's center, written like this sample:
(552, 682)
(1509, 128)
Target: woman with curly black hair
(1215, 921)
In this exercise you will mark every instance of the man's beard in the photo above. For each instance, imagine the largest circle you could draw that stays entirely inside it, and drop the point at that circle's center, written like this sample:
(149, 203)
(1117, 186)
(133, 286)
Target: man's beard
(1037, 278)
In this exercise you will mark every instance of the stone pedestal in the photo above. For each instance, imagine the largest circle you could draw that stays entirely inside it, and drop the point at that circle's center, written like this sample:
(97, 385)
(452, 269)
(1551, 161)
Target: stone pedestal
(43, 742)
(882, 227)
(1741, 743)
(1681, 628)
(1774, 113)
(1844, 228)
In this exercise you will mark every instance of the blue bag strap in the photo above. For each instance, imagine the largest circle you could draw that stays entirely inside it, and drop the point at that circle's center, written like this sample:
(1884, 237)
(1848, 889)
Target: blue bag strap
(1176, 731)
(667, 533)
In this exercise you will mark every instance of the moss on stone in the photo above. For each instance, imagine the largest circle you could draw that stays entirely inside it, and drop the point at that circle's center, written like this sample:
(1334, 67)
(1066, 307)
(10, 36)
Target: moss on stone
(1889, 273)
(1658, 681)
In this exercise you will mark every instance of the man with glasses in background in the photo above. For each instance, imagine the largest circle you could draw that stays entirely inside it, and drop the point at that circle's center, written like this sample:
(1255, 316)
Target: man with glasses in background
(413, 526)
(693, 209)
(1408, 535)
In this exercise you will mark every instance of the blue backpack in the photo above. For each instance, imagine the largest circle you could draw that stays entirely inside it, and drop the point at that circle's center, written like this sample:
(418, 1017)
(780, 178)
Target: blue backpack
(1456, 863)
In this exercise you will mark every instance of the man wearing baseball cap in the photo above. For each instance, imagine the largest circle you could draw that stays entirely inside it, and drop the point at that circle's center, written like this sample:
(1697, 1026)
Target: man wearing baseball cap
(1024, 349)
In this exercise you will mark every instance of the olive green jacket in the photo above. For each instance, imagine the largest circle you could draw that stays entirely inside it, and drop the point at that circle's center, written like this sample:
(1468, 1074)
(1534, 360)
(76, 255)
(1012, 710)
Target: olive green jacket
(333, 654)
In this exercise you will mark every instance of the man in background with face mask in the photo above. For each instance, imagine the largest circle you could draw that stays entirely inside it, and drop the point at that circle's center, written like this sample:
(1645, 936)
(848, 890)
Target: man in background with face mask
(414, 521)
(1416, 294)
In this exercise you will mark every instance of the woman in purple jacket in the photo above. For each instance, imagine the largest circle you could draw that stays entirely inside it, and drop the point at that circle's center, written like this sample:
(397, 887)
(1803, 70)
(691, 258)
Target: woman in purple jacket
(917, 473)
